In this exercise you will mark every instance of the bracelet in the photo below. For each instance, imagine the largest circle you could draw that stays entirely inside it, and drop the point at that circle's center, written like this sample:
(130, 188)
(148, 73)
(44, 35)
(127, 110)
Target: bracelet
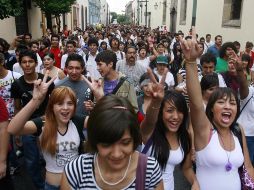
(156, 108)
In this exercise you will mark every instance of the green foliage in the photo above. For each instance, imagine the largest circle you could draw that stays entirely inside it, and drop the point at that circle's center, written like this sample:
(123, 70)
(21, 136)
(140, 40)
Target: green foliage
(123, 19)
(55, 7)
(10, 8)
(113, 16)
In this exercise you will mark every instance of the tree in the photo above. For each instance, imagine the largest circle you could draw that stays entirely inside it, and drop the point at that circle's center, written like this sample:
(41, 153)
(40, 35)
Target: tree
(55, 7)
(113, 16)
(10, 8)
(123, 19)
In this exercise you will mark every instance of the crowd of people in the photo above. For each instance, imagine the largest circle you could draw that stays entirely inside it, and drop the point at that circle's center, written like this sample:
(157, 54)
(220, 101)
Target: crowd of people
(119, 107)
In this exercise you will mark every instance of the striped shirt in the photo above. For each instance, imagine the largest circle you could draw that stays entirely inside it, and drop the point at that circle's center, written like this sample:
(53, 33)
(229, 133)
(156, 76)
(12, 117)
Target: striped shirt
(80, 174)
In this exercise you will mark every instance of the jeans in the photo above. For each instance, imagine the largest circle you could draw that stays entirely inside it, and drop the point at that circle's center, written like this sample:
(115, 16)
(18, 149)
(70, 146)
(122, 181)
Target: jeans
(250, 144)
(51, 187)
(32, 160)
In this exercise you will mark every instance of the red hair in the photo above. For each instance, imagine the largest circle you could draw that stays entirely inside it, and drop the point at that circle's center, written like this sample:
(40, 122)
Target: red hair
(49, 135)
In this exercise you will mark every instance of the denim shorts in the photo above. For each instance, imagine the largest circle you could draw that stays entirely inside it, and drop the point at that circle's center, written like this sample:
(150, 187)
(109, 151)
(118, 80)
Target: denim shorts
(51, 187)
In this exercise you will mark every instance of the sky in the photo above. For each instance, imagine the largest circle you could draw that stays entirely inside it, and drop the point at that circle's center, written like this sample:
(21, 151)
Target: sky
(117, 5)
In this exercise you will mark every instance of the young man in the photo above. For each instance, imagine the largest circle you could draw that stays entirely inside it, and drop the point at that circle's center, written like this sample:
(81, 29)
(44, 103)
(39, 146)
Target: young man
(55, 49)
(10, 59)
(225, 52)
(114, 82)
(71, 48)
(161, 65)
(34, 46)
(89, 58)
(114, 44)
(21, 91)
(208, 62)
(75, 66)
(7, 77)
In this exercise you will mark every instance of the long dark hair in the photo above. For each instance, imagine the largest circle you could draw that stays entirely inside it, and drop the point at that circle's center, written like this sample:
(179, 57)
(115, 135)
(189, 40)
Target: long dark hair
(161, 146)
(218, 94)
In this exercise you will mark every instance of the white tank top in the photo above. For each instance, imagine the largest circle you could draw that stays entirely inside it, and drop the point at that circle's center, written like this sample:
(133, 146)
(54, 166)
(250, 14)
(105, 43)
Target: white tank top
(211, 161)
(175, 158)
(67, 150)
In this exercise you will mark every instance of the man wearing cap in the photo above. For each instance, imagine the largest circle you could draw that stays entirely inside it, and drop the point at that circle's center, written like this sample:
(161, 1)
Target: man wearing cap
(161, 65)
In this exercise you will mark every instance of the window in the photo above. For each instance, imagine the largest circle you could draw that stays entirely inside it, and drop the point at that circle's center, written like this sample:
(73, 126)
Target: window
(183, 12)
(232, 13)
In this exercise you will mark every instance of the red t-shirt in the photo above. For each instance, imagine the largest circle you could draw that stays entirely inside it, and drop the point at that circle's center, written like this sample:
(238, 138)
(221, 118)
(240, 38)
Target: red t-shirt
(57, 55)
(4, 116)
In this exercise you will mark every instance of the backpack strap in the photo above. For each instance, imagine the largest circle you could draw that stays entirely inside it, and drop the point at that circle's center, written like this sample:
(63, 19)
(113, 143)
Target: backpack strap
(122, 79)
(121, 55)
(141, 172)
(147, 145)
(245, 104)
(87, 56)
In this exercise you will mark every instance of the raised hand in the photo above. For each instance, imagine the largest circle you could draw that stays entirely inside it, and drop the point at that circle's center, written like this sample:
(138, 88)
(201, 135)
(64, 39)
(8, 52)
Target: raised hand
(157, 88)
(190, 47)
(41, 87)
(236, 61)
(96, 87)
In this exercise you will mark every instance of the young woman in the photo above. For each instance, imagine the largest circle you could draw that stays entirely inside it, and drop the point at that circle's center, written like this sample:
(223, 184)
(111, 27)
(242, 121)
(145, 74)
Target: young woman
(112, 162)
(48, 63)
(219, 152)
(60, 133)
(246, 60)
(143, 58)
(164, 133)
(209, 83)
(145, 98)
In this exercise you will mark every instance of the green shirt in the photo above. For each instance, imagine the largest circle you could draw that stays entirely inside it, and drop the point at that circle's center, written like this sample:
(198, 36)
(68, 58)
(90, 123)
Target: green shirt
(221, 65)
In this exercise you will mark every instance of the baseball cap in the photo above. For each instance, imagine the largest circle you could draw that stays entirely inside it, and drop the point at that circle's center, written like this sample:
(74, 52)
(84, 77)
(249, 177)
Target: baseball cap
(162, 59)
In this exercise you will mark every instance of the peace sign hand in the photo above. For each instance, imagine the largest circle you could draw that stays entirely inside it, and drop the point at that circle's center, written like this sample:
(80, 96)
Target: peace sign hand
(236, 61)
(190, 47)
(157, 88)
(96, 87)
(41, 87)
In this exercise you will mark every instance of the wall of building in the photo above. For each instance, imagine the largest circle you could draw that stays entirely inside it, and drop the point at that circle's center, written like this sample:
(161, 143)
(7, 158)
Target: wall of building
(8, 29)
(34, 22)
(209, 20)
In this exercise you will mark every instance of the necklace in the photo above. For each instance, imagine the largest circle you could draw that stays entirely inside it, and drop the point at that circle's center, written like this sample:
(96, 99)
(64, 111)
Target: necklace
(108, 183)
(228, 165)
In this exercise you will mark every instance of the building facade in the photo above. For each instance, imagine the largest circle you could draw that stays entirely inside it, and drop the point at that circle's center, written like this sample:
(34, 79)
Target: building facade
(105, 13)
(34, 21)
(94, 11)
(229, 18)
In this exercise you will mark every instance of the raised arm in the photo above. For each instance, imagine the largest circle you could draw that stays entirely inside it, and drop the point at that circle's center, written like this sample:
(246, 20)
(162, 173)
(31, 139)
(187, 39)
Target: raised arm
(200, 123)
(20, 124)
(244, 90)
(157, 93)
